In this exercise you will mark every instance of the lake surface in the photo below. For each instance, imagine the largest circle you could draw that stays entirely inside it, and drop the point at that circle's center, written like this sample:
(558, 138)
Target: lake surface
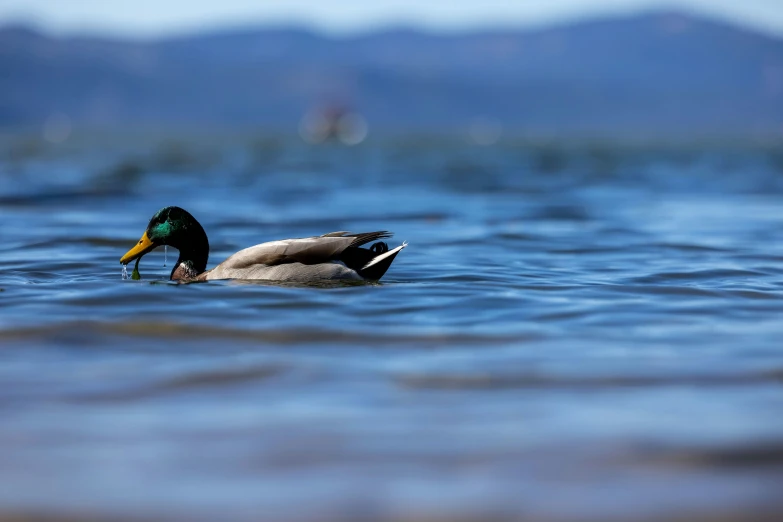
(575, 332)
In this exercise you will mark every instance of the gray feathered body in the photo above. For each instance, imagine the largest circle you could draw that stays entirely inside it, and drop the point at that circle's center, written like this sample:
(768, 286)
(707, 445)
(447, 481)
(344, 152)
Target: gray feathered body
(333, 256)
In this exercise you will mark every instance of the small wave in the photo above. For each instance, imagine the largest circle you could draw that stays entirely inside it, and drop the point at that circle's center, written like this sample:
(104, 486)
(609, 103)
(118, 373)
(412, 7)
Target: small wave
(698, 275)
(183, 331)
(762, 454)
(662, 290)
(188, 381)
(470, 381)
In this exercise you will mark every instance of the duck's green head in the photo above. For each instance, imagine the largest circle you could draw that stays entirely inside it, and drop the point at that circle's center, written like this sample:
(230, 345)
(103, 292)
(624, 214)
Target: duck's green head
(169, 226)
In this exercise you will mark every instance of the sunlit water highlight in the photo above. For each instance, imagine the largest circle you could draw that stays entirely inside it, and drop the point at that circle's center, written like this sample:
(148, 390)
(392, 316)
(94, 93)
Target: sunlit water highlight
(574, 332)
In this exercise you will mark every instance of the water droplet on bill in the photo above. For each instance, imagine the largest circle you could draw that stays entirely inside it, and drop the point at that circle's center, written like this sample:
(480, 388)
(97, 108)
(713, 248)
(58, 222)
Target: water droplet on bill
(165, 254)
(124, 271)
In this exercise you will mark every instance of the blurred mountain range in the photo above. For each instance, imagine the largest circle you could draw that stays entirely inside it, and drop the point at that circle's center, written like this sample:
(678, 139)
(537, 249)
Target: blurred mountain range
(656, 73)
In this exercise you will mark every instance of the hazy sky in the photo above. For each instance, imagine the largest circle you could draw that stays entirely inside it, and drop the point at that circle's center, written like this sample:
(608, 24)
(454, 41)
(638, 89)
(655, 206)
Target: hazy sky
(153, 17)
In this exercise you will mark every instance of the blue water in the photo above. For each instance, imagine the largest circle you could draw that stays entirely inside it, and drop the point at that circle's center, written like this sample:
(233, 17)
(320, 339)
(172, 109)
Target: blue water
(575, 332)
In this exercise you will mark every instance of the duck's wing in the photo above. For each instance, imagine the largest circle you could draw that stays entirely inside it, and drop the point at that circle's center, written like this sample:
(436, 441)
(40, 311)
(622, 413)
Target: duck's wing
(255, 262)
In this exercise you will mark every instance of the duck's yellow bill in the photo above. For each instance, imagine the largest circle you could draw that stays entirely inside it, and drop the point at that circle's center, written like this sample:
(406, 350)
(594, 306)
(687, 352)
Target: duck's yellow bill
(142, 247)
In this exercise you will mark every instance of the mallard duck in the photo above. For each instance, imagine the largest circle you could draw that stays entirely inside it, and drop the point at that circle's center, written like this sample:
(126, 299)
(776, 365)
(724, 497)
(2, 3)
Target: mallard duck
(332, 256)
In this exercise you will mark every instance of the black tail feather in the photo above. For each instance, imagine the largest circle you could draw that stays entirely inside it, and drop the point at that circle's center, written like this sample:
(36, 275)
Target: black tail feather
(377, 270)
(357, 258)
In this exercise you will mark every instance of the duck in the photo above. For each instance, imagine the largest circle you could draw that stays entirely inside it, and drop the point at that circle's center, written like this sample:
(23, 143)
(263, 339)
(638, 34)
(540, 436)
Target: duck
(330, 257)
